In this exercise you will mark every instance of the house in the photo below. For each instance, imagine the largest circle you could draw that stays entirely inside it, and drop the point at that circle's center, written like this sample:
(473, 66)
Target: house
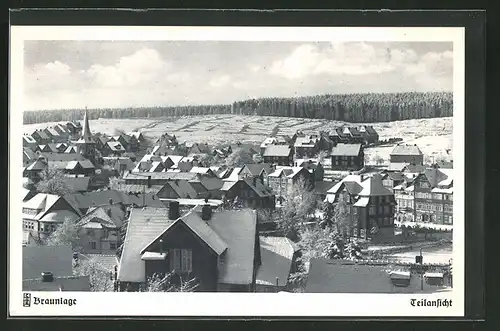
(87, 200)
(55, 259)
(167, 140)
(197, 148)
(139, 137)
(278, 260)
(47, 148)
(283, 178)
(29, 142)
(101, 142)
(120, 164)
(404, 194)
(40, 137)
(407, 154)
(113, 148)
(100, 228)
(392, 179)
(351, 135)
(251, 192)
(306, 146)
(260, 170)
(434, 196)
(348, 157)
(314, 166)
(43, 213)
(62, 130)
(29, 155)
(342, 276)
(48, 282)
(33, 170)
(371, 205)
(54, 135)
(187, 163)
(369, 134)
(220, 250)
(61, 147)
(279, 154)
(74, 127)
(73, 163)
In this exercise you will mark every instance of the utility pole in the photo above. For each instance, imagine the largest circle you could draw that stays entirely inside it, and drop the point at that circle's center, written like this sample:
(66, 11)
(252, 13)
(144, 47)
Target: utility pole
(421, 270)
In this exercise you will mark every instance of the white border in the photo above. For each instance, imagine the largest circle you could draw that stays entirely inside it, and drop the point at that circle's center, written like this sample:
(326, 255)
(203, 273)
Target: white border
(234, 304)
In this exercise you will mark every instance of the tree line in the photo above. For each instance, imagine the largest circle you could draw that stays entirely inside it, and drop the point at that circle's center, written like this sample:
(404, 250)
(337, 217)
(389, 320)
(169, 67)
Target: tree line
(361, 108)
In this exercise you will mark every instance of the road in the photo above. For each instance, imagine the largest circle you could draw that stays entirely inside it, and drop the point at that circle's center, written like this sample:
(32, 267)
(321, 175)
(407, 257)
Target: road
(441, 254)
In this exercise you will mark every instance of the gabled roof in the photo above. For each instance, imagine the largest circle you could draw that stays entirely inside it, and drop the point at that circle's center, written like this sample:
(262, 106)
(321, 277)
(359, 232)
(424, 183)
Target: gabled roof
(137, 188)
(237, 228)
(37, 165)
(115, 146)
(71, 150)
(144, 225)
(372, 186)
(305, 142)
(41, 134)
(110, 216)
(349, 178)
(53, 132)
(289, 172)
(406, 150)
(276, 255)
(200, 228)
(278, 150)
(435, 176)
(29, 139)
(86, 200)
(322, 187)
(55, 259)
(256, 168)
(268, 141)
(346, 150)
(43, 202)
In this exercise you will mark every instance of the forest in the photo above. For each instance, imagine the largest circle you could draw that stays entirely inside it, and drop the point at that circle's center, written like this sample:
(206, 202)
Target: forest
(357, 108)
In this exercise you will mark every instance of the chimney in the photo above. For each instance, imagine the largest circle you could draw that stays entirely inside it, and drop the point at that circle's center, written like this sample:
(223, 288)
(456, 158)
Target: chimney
(206, 212)
(149, 181)
(47, 277)
(173, 210)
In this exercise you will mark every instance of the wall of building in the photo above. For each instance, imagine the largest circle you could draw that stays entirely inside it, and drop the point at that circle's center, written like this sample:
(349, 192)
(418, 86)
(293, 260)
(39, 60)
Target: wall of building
(204, 260)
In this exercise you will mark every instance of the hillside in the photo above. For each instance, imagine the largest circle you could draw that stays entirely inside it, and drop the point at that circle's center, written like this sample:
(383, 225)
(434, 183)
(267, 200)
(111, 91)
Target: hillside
(361, 108)
(433, 136)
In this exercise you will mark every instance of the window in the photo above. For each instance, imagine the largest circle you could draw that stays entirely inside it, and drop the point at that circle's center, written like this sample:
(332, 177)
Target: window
(181, 260)
(93, 245)
(439, 207)
(372, 210)
(112, 246)
(436, 196)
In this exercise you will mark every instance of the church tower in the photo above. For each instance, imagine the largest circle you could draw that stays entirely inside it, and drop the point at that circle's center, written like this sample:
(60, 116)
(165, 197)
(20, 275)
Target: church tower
(86, 143)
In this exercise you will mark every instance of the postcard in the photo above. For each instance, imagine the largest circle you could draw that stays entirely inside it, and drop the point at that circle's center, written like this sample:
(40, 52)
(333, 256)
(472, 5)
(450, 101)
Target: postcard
(236, 171)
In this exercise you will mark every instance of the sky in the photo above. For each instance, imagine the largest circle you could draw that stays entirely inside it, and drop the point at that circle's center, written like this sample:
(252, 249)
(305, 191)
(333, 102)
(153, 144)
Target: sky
(107, 74)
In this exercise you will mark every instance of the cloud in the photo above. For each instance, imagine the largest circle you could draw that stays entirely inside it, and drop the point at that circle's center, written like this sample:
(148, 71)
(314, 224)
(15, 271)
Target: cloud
(359, 59)
(145, 65)
(220, 81)
(49, 75)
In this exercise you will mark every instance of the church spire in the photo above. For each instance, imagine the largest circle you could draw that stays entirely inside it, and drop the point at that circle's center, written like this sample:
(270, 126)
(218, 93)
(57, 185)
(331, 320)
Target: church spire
(86, 134)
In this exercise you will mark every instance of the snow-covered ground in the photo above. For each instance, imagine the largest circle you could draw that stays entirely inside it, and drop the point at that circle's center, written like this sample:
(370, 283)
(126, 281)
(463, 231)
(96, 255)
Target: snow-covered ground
(441, 254)
(432, 135)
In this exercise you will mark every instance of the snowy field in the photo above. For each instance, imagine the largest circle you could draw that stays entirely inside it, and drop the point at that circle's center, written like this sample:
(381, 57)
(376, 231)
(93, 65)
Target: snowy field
(441, 254)
(433, 136)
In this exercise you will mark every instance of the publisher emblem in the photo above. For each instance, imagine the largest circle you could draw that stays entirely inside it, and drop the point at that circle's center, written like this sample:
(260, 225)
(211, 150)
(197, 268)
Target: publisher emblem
(26, 299)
